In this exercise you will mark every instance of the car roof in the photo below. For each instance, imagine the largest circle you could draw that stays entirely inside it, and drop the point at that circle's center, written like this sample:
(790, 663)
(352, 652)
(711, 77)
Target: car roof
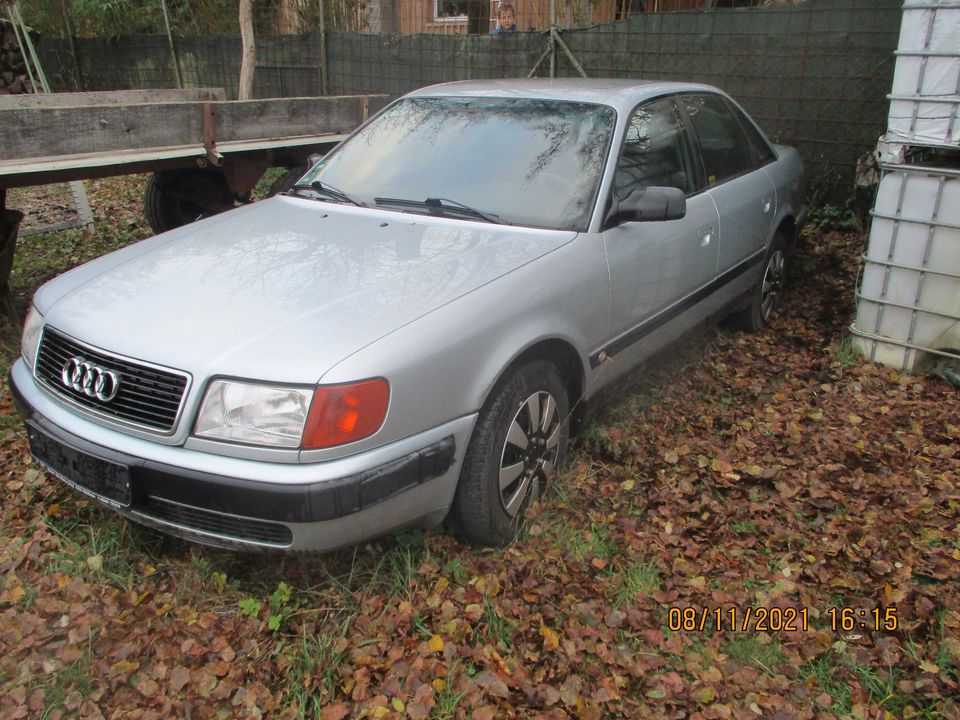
(621, 94)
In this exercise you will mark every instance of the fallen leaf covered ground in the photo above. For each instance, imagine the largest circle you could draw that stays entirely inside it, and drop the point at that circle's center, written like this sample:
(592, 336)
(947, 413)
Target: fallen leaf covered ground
(774, 474)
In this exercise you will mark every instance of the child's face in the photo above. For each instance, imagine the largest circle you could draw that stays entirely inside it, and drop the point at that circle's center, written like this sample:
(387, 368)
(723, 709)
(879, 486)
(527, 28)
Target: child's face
(506, 19)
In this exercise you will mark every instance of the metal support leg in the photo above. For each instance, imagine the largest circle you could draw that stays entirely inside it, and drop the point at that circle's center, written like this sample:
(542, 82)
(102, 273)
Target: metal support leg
(9, 225)
(553, 42)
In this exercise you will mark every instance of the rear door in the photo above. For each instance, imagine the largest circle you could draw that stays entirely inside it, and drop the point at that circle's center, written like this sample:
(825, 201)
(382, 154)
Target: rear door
(743, 193)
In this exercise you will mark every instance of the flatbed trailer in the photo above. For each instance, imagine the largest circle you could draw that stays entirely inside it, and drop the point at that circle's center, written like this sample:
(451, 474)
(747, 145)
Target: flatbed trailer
(206, 153)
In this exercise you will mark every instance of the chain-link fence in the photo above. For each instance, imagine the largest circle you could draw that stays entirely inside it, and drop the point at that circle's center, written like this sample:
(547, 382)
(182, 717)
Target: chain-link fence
(813, 74)
(286, 65)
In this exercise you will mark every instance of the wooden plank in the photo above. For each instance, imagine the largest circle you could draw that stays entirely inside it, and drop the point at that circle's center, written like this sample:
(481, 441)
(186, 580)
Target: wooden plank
(89, 135)
(39, 170)
(108, 97)
(280, 117)
(69, 131)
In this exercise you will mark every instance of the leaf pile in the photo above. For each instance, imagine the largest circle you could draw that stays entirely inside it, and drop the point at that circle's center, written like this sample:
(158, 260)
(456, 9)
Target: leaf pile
(774, 470)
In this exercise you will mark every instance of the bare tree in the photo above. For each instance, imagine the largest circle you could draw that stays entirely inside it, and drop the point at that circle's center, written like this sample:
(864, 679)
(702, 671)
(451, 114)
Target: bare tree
(286, 17)
(249, 50)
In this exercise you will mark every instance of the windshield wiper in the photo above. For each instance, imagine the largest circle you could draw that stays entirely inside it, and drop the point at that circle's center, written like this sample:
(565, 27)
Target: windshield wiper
(328, 190)
(442, 206)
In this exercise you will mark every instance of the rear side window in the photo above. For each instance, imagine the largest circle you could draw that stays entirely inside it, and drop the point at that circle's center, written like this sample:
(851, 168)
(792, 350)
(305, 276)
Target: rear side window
(761, 147)
(655, 151)
(723, 144)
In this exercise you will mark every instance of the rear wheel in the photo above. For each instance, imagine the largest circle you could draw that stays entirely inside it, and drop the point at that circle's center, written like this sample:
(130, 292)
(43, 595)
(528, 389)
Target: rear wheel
(768, 294)
(518, 446)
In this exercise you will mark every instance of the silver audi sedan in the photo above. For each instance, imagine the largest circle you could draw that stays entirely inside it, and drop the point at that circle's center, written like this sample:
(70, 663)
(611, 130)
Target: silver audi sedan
(404, 337)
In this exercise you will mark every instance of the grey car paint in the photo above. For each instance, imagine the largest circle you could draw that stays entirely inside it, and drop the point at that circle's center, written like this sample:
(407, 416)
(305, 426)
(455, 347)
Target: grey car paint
(291, 290)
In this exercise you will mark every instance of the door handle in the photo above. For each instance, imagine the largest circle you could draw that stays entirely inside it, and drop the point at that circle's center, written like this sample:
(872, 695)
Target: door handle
(767, 204)
(706, 235)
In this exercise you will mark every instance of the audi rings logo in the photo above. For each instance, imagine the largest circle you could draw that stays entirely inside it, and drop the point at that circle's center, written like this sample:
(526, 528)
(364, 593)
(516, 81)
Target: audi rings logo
(92, 380)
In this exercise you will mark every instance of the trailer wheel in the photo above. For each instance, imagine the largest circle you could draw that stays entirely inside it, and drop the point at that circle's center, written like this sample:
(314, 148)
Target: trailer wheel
(176, 197)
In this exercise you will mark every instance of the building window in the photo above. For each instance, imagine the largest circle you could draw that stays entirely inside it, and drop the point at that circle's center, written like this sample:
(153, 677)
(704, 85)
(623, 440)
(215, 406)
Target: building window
(452, 9)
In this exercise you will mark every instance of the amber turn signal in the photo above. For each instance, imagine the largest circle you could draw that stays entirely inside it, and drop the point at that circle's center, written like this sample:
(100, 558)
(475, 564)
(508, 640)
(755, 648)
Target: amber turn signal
(341, 414)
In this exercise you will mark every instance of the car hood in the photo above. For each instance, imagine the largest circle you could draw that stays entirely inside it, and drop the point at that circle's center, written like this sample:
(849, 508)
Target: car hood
(281, 290)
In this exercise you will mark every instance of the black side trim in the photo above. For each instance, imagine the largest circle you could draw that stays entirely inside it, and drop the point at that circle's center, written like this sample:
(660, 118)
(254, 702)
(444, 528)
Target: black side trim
(667, 314)
(298, 503)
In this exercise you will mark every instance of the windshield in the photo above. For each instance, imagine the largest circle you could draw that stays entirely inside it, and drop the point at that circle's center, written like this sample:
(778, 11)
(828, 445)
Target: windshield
(518, 161)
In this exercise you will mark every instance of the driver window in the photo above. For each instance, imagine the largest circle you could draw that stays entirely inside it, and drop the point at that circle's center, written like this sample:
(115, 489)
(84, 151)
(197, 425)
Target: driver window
(655, 152)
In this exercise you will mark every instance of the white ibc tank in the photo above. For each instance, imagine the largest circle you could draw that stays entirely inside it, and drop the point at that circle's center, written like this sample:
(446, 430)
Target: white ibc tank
(925, 100)
(908, 303)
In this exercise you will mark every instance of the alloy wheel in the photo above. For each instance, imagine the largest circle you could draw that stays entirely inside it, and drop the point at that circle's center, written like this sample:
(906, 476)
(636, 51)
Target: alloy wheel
(771, 291)
(530, 450)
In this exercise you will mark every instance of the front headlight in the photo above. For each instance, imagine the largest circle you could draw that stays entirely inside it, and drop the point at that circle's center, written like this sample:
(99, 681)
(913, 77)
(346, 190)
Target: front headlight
(31, 336)
(255, 414)
(291, 417)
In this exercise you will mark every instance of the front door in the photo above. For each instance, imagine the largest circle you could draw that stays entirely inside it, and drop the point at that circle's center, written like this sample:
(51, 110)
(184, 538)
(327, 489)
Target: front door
(656, 267)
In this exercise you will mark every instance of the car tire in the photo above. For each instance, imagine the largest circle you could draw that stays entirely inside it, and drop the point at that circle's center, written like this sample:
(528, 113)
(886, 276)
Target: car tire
(767, 296)
(528, 406)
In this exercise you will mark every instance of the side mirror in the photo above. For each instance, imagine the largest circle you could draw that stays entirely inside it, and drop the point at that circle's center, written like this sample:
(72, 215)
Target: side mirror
(314, 158)
(650, 204)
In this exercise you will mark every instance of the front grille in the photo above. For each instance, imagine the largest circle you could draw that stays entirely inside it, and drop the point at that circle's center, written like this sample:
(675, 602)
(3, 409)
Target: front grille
(230, 526)
(148, 396)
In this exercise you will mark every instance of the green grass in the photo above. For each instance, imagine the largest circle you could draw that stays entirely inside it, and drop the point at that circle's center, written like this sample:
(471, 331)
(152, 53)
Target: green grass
(100, 543)
(741, 528)
(447, 701)
(312, 661)
(396, 571)
(847, 355)
(752, 583)
(498, 629)
(455, 570)
(833, 671)
(944, 659)
(607, 439)
(583, 543)
(640, 577)
(756, 651)
(262, 187)
(77, 677)
(826, 673)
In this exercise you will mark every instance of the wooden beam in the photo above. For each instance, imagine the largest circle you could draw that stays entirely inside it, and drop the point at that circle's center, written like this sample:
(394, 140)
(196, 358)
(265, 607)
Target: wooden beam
(40, 171)
(64, 137)
(69, 131)
(279, 117)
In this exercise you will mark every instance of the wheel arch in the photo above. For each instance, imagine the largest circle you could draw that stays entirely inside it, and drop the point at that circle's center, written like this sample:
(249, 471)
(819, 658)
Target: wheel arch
(564, 356)
(788, 228)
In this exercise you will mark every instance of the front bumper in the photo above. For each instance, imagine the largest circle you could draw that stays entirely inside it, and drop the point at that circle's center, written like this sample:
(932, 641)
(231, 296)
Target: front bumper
(246, 504)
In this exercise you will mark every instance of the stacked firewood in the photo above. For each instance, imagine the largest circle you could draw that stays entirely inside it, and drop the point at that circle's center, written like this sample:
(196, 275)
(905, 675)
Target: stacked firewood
(13, 70)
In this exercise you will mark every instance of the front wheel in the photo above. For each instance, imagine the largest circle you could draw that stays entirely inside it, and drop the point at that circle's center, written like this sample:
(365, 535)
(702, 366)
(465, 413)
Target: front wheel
(518, 446)
(768, 294)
